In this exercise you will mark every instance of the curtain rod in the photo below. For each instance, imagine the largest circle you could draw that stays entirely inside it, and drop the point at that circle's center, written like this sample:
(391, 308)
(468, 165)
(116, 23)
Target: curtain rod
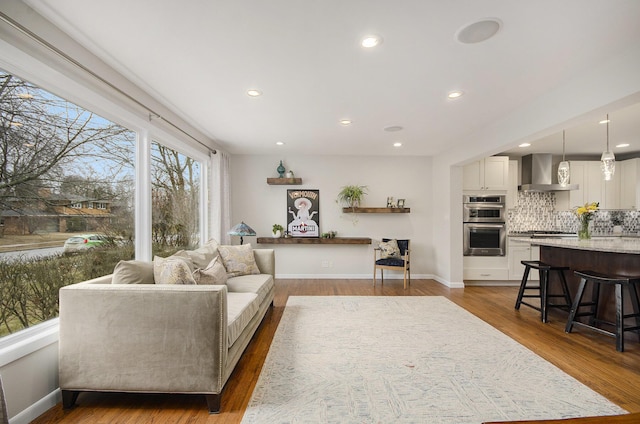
(152, 113)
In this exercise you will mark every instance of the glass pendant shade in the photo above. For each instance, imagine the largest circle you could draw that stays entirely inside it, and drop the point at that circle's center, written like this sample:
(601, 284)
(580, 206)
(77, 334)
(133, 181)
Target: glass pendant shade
(608, 165)
(564, 173)
(608, 159)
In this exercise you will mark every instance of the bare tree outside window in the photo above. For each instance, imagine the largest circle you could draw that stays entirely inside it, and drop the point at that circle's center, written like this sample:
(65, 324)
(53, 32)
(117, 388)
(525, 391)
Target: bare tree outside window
(175, 180)
(64, 171)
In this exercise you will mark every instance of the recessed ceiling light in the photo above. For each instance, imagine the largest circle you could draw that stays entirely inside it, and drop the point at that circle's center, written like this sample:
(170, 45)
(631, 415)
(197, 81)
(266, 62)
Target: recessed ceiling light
(455, 94)
(346, 122)
(524, 145)
(254, 93)
(604, 121)
(371, 41)
(478, 31)
(280, 143)
(397, 144)
(622, 145)
(393, 128)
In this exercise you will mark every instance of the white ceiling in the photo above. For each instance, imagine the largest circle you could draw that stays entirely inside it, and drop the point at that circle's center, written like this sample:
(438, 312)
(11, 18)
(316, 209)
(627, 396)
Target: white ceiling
(200, 57)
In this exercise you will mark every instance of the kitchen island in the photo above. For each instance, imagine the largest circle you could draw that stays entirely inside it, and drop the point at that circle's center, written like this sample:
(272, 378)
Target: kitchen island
(608, 255)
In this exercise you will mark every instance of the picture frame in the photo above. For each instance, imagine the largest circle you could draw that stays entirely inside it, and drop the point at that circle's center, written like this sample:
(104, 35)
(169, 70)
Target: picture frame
(303, 213)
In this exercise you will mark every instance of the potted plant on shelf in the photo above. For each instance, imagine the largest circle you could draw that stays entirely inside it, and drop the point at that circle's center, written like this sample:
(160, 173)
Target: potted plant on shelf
(276, 231)
(617, 219)
(351, 196)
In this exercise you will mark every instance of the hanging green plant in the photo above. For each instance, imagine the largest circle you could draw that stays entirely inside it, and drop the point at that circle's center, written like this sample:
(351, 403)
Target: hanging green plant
(351, 195)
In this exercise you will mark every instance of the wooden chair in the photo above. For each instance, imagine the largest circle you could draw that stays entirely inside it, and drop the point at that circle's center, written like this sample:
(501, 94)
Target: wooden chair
(395, 264)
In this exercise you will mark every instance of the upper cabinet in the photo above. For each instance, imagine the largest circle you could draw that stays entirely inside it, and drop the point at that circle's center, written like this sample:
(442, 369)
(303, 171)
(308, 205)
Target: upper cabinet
(593, 187)
(629, 171)
(490, 173)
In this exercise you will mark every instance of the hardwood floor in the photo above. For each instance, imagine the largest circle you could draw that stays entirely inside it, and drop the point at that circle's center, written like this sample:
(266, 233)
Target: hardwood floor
(589, 357)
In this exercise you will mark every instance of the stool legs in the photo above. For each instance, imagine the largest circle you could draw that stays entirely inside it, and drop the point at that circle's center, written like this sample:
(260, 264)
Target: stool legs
(523, 285)
(543, 287)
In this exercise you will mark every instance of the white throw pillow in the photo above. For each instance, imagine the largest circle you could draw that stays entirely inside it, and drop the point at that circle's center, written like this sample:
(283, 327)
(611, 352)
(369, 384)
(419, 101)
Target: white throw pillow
(214, 273)
(238, 260)
(171, 270)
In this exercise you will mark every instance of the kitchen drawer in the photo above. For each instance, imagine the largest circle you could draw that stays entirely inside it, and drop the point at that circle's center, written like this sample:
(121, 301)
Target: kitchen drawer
(498, 274)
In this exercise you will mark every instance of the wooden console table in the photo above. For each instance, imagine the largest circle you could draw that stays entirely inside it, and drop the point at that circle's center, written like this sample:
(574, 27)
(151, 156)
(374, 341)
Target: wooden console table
(311, 240)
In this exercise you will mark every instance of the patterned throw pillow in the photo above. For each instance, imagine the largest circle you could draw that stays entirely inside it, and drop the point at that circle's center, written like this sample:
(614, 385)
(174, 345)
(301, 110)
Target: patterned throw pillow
(238, 260)
(389, 249)
(171, 270)
(214, 273)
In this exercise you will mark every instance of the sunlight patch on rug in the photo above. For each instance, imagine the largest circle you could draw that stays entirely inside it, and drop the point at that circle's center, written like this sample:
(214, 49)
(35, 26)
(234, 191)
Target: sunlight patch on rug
(357, 359)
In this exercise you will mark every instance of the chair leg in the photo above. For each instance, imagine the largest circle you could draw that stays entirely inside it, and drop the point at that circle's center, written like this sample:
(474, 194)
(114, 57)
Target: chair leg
(633, 292)
(374, 276)
(544, 295)
(575, 306)
(405, 278)
(619, 319)
(523, 284)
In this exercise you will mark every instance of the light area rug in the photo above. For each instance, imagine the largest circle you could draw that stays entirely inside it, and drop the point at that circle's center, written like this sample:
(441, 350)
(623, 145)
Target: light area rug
(356, 359)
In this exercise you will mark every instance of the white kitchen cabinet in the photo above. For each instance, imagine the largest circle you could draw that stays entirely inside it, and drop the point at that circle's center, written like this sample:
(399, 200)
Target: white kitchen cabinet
(485, 268)
(593, 187)
(512, 189)
(517, 252)
(629, 185)
(490, 173)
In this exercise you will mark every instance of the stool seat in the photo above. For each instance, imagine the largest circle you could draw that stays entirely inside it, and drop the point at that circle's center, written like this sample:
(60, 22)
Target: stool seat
(597, 279)
(544, 270)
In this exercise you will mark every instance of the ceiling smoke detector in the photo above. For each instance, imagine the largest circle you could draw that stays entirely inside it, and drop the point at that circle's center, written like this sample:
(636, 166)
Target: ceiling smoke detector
(479, 31)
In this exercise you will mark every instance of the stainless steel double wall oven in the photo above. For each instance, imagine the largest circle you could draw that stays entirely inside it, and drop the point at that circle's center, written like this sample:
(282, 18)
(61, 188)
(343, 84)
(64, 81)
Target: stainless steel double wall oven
(484, 225)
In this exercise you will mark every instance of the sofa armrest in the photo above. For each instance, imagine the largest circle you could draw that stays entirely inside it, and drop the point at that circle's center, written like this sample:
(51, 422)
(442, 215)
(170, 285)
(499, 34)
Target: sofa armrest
(143, 337)
(266, 261)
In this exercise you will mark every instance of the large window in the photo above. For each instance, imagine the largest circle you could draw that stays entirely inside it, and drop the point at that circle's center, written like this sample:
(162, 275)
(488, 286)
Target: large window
(175, 200)
(66, 199)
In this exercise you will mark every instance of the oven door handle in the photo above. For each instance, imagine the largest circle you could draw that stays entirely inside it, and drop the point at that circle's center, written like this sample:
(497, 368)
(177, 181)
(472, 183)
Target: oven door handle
(476, 225)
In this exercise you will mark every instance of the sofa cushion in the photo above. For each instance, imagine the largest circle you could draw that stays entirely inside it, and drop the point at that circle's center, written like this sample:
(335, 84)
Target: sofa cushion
(241, 307)
(133, 272)
(171, 270)
(259, 284)
(214, 273)
(202, 256)
(238, 260)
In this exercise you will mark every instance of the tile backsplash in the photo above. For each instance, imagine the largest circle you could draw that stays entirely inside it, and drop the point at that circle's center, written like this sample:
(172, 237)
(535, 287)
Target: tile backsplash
(536, 211)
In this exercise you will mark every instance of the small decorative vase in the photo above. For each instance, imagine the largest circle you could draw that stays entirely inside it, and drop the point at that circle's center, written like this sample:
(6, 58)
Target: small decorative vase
(290, 174)
(583, 231)
(276, 234)
(280, 170)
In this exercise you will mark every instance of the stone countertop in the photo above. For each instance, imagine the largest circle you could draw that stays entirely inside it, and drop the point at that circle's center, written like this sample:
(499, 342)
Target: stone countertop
(614, 244)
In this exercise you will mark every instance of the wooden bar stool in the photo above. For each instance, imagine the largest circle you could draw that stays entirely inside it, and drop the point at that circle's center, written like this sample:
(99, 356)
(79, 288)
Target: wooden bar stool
(597, 279)
(543, 288)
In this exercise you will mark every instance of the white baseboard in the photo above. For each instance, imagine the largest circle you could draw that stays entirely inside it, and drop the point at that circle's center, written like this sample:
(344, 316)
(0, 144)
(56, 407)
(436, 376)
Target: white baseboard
(38, 408)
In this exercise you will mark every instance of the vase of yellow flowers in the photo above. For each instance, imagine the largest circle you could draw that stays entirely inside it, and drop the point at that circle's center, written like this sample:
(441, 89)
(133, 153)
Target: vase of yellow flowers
(585, 214)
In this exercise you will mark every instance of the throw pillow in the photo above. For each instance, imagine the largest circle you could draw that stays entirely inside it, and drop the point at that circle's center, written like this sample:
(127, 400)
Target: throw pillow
(171, 271)
(202, 256)
(389, 249)
(214, 273)
(238, 260)
(133, 272)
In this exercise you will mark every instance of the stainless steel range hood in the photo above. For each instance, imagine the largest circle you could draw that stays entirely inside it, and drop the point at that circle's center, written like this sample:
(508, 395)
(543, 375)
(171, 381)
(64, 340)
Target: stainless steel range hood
(537, 174)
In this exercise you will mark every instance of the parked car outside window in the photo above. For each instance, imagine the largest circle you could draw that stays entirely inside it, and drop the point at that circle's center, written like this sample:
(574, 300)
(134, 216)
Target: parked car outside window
(85, 242)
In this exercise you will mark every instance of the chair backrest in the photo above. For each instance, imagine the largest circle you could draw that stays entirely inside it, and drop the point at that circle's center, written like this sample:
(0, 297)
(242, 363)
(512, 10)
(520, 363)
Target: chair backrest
(403, 245)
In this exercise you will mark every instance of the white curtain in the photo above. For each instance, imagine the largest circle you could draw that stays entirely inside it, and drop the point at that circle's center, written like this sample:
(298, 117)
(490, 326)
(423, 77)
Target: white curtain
(220, 197)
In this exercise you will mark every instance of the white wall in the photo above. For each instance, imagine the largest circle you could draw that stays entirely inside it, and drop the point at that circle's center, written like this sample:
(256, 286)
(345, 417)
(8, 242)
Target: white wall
(260, 206)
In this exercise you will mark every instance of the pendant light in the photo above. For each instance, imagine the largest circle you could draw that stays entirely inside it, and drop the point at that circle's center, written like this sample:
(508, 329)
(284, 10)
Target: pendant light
(563, 169)
(608, 160)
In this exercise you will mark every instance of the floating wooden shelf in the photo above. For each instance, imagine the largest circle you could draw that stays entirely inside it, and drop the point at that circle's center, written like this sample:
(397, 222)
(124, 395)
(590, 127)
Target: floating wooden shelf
(284, 181)
(376, 210)
(310, 240)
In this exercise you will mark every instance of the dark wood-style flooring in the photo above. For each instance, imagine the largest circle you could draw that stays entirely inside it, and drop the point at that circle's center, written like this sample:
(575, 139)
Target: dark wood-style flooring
(587, 356)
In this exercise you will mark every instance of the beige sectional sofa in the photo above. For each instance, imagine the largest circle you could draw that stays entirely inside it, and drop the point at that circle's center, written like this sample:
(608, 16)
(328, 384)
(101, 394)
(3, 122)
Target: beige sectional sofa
(159, 338)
